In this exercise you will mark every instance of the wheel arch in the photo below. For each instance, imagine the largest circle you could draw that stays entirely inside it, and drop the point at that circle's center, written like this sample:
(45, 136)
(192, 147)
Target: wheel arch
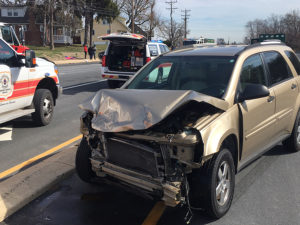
(231, 143)
(49, 83)
(224, 129)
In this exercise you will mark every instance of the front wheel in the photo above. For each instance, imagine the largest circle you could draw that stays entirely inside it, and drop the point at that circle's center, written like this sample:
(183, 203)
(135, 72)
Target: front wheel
(213, 187)
(44, 106)
(293, 142)
(82, 162)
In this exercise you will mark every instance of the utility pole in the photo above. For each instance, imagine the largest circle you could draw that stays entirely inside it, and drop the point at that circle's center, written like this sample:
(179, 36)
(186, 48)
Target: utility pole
(185, 17)
(132, 16)
(172, 8)
(51, 4)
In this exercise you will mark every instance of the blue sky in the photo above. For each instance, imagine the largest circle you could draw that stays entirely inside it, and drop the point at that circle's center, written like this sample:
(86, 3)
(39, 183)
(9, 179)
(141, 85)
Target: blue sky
(225, 18)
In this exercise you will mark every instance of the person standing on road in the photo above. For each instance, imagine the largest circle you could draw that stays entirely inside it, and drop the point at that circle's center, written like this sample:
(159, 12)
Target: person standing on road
(85, 49)
(94, 51)
(90, 51)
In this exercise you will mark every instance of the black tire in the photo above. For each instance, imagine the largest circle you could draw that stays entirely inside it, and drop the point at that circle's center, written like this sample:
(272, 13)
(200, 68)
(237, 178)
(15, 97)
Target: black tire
(44, 107)
(113, 84)
(204, 184)
(82, 162)
(291, 143)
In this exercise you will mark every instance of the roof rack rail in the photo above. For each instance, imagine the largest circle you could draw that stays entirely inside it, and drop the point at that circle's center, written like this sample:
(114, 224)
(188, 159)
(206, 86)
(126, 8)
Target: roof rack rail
(265, 42)
(271, 41)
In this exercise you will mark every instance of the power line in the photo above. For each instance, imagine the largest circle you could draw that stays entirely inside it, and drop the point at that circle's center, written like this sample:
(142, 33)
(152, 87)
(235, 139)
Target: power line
(185, 17)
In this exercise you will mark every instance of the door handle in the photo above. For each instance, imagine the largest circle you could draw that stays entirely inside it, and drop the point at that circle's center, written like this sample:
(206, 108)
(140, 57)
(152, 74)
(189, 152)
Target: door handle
(293, 86)
(271, 98)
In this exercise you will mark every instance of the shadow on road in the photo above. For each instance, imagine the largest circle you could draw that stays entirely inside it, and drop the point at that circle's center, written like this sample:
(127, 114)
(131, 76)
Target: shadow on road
(87, 88)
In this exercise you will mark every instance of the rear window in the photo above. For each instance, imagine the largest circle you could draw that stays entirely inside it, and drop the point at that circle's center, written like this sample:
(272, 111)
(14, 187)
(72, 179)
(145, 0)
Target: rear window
(278, 68)
(153, 50)
(294, 59)
(205, 74)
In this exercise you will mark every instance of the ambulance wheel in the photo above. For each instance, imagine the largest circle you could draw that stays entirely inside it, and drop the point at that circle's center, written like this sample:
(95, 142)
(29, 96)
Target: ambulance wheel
(44, 106)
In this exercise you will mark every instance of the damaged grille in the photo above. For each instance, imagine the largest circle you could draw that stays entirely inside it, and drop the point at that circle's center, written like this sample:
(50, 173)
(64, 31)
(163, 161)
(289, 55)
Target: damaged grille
(134, 156)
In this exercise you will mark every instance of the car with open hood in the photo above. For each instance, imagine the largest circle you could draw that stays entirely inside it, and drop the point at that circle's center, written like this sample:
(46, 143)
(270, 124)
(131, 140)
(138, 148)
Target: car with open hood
(125, 54)
(186, 123)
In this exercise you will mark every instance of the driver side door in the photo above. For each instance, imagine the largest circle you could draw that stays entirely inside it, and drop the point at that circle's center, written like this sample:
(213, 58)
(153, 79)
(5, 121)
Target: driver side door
(16, 80)
(258, 115)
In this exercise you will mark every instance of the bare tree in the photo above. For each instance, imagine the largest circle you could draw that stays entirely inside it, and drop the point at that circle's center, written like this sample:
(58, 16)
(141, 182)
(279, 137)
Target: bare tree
(173, 35)
(137, 10)
(289, 24)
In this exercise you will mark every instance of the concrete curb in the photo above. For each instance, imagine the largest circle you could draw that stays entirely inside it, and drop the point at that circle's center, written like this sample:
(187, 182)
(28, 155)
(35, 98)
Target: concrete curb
(22, 188)
(75, 62)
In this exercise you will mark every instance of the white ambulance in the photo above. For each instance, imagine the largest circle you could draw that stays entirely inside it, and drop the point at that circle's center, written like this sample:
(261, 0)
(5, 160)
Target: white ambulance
(28, 85)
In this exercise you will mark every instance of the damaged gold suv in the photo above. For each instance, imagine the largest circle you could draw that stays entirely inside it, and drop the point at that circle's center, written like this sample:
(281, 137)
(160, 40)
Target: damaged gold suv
(188, 121)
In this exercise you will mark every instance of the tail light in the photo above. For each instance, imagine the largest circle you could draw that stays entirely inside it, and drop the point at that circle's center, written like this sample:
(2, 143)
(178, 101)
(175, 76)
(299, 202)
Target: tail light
(104, 61)
(148, 59)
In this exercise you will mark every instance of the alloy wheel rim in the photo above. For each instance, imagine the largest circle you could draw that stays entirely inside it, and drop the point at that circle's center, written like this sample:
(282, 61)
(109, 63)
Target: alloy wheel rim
(223, 183)
(47, 107)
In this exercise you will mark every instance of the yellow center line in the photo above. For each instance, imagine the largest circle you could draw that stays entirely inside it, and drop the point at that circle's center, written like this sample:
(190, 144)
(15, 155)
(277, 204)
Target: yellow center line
(42, 155)
(155, 214)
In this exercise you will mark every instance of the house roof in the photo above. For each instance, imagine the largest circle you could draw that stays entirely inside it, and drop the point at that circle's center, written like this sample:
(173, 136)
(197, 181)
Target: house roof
(15, 20)
(138, 30)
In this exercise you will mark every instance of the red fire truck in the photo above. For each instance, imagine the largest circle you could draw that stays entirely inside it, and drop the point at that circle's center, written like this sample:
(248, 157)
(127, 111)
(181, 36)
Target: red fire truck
(8, 34)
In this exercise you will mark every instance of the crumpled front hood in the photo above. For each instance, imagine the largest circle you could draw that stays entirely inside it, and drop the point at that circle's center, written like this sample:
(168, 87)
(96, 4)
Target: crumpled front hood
(125, 109)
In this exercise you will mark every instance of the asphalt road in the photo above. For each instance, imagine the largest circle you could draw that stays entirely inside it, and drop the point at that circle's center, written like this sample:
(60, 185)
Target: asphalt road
(29, 140)
(267, 193)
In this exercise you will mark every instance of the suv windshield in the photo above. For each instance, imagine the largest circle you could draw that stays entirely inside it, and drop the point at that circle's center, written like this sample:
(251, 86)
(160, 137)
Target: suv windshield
(205, 74)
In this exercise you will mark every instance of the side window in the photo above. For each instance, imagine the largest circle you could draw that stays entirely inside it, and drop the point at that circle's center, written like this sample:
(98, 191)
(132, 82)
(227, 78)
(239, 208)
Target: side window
(162, 49)
(6, 34)
(166, 48)
(252, 72)
(7, 55)
(295, 61)
(160, 74)
(278, 67)
(153, 50)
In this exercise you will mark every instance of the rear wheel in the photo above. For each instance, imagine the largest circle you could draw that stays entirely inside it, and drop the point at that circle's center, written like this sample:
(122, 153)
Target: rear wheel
(293, 142)
(82, 162)
(212, 188)
(44, 106)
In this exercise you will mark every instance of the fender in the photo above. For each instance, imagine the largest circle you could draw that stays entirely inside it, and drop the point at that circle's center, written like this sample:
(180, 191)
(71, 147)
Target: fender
(217, 131)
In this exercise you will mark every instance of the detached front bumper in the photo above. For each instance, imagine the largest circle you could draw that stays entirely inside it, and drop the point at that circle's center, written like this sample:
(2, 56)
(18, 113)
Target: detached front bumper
(169, 192)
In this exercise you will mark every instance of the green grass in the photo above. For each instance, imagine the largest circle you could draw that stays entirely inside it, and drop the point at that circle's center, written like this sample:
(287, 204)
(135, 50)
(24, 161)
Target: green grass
(60, 52)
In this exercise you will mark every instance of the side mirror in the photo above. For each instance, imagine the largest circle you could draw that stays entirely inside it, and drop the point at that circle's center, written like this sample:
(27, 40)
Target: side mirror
(253, 91)
(30, 60)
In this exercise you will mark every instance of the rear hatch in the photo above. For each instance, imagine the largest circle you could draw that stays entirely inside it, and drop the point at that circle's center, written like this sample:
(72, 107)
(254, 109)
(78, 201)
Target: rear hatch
(126, 52)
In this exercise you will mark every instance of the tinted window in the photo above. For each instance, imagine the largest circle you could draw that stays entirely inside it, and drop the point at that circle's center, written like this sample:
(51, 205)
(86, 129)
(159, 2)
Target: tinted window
(278, 67)
(252, 72)
(162, 49)
(6, 34)
(295, 61)
(153, 50)
(7, 55)
(205, 74)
